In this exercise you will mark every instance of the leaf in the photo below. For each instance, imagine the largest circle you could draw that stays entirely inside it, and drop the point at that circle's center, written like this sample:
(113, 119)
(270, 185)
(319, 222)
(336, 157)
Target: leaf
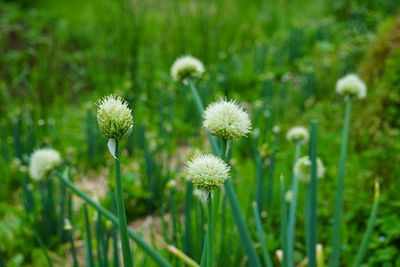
(111, 146)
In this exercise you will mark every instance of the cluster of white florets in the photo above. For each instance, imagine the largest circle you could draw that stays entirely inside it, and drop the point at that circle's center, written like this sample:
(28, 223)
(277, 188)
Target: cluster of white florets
(114, 117)
(298, 133)
(207, 172)
(351, 85)
(186, 67)
(226, 119)
(302, 169)
(42, 162)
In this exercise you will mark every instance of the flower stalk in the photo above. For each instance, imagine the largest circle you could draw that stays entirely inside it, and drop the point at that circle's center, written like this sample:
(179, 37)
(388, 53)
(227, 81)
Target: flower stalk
(126, 250)
(335, 255)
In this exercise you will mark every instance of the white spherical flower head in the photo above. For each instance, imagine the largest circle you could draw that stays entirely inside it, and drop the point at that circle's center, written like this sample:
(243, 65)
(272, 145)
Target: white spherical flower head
(351, 85)
(186, 67)
(302, 169)
(226, 119)
(298, 133)
(114, 117)
(171, 184)
(207, 172)
(42, 162)
(288, 196)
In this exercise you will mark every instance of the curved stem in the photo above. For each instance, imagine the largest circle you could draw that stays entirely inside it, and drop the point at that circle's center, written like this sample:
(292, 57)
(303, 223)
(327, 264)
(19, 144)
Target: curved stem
(371, 222)
(139, 241)
(200, 108)
(335, 256)
(123, 229)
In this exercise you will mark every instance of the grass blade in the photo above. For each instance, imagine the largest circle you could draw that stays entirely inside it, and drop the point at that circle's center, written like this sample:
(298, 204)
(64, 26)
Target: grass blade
(261, 236)
(89, 250)
(241, 224)
(371, 223)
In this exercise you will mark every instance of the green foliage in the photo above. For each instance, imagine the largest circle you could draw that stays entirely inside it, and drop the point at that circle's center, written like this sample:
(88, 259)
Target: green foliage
(280, 58)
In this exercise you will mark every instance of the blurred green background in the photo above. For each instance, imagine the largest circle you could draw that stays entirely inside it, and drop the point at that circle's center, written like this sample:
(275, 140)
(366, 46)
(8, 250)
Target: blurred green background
(280, 59)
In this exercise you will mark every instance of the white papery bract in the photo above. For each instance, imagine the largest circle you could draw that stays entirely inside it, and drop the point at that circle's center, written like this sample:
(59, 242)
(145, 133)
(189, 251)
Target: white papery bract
(42, 162)
(302, 169)
(351, 85)
(207, 172)
(298, 133)
(186, 67)
(114, 117)
(226, 119)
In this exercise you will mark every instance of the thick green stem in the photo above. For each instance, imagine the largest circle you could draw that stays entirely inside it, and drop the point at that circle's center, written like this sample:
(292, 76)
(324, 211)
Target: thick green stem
(335, 256)
(139, 241)
(119, 196)
(311, 251)
(241, 224)
(210, 230)
(292, 211)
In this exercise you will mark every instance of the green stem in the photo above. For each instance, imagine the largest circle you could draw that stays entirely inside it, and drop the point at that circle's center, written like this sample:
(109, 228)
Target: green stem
(123, 229)
(312, 257)
(261, 236)
(200, 109)
(271, 171)
(259, 182)
(241, 224)
(335, 256)
(139, 241)
(188, 219)
(73, 250)
(367, 236)
(89, 250)
(217, 192)
(42, 245)
(283, 223)
(292, 210)
(114, 233)
(203, 260)
(210, 230)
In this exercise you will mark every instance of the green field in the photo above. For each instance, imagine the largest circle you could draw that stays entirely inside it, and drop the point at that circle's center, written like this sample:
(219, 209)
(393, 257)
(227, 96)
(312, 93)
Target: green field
(279, 60)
